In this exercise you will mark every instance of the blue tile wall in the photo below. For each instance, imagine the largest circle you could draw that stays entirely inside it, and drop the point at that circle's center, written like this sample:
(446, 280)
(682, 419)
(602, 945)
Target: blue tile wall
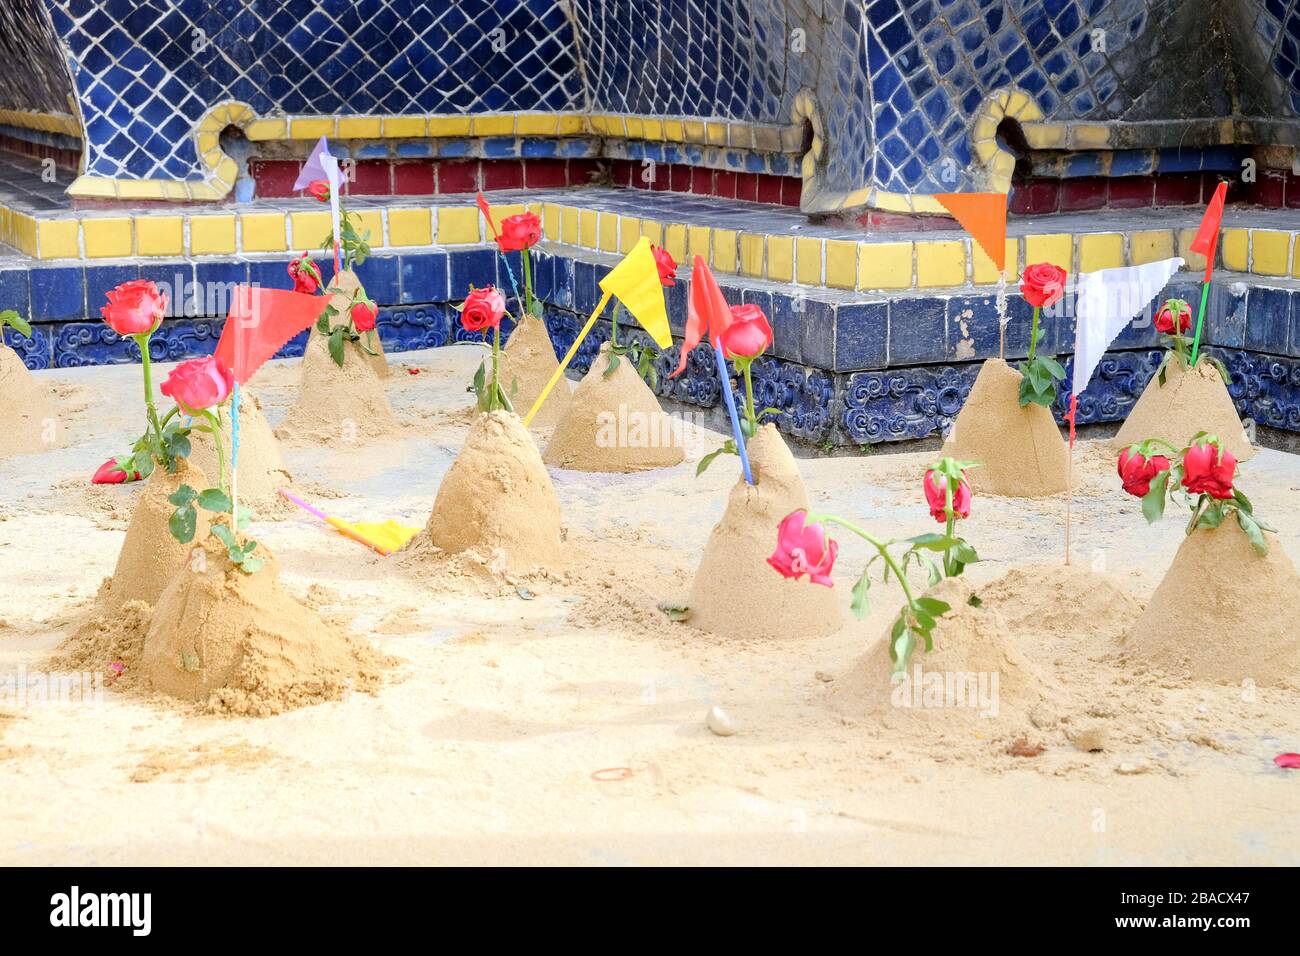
(897, 83)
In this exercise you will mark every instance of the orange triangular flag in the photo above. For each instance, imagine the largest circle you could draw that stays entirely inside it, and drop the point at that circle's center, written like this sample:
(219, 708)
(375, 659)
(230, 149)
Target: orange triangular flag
(260, 322)
(984, 216)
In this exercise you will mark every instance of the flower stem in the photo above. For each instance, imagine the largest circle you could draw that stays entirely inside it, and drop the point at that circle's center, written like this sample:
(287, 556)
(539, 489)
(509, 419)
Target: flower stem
(214, 427)
(749, 396)
(947, 553)
(613, 325)
(528, 281)
(881, 546)
(496, 370)
(146, 363)
(1033, 334)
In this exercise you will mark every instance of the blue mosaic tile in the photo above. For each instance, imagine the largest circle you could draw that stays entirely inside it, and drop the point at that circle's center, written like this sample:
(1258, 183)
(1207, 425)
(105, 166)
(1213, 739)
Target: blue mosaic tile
(918, 331)
(1269, 311)
(58, 292)
(15, 291)
(861, 336)
(424, 277)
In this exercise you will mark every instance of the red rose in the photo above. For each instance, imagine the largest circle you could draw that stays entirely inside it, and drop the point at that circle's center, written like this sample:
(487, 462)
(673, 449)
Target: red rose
(199, 383)
(483, 309)
(1208, 470)
(519, 232)
(748, 334)
(320, 189)
(134, 308)
(1137, 472)
(667, 265)
(1043, 284)
(306, 277)
(1165, 317)
(804, 549)
(363, 316)
(936, 496)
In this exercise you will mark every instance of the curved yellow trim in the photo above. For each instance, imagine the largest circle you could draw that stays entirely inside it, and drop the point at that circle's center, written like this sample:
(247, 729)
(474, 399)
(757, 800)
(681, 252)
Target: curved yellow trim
(64, 123)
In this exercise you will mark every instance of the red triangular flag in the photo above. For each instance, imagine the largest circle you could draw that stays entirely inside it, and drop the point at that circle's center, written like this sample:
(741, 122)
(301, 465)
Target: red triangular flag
(260, 322)
(984, 216)
(707, 312)
(1207, 236)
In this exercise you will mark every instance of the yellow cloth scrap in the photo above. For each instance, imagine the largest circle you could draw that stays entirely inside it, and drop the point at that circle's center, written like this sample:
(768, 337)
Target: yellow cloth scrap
(383, 536)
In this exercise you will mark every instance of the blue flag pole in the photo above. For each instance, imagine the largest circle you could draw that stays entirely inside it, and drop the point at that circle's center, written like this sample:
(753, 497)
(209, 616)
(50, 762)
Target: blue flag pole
(731, 410)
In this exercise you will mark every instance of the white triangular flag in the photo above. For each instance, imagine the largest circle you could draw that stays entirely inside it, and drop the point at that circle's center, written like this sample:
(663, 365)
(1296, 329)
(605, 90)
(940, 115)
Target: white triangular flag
(1107, 300)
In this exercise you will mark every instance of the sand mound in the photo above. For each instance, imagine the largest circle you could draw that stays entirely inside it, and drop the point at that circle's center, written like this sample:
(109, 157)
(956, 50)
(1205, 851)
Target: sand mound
(1191, 400)
(614, 424)
(1223, 612)
(736, 593)
(497, 498)
(150, 556)
(343, 302)
(1020, 450)
(261, 467)
(338, 406)
(973, 647)
(106, 638)
(1064, 603)
(27, 419)
(244, 645)
(528, 362)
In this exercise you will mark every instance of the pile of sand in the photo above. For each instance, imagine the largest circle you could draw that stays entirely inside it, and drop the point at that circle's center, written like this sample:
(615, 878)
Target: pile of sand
(1191, 400)
(1223, 612)
(971, 645)
(27, 420)
(242, 644)
(338, 406)
(261, 467)
(735, 592)
(343, 301)
(150, 557)
(527, 363)
(496, 499)
(614, 424)
(1020, 450)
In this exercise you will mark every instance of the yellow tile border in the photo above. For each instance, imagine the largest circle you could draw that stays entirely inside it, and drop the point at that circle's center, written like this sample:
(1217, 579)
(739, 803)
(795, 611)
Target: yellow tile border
(64, 123)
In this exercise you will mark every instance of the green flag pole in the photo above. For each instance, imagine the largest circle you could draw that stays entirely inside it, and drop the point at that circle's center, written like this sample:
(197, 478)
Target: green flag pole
(1200, 318)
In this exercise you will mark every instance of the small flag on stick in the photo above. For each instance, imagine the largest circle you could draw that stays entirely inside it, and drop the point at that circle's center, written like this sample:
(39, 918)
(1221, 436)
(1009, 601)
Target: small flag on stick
(1206, 243)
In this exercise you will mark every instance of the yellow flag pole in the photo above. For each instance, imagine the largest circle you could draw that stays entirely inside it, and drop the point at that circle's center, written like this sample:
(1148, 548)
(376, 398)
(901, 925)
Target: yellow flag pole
(573, 350)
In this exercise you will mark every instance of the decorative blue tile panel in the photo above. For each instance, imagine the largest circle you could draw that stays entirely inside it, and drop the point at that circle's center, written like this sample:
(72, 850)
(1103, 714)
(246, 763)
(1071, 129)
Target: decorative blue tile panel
(35, 351)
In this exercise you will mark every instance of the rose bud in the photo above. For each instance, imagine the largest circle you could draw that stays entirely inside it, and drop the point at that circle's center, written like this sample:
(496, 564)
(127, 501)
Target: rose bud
(364, 314)
(305, 275)
(134, 308)
(320, 190)
(519, 232)
(748, 334)
(1165, 318)
(667, 265)
(483, 309)
(1043, 284)
(1208, 469)
(936, 496)
(1137, 472)
(804, 549)
(199, 384)
(111, 473)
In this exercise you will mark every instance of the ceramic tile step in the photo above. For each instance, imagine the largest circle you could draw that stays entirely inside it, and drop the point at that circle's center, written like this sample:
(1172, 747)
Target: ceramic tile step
(737, 237)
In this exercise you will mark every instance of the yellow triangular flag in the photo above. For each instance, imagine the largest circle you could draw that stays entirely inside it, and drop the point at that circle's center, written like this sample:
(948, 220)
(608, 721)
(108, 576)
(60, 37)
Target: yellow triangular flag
(635, 281)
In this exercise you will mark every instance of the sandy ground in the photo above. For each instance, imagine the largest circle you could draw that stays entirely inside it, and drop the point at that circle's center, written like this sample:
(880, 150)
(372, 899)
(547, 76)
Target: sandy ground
(485, 745)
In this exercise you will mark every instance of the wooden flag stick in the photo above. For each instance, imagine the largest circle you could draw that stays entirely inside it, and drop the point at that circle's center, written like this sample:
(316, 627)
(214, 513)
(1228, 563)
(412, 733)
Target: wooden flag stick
(573, 350)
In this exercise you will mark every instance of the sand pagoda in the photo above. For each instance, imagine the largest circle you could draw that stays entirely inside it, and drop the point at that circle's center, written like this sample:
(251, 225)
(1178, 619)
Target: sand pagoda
(1019, 448)
(27, 419)
(1191, 400)
(261, 466)
(735, 592)
(614, 424)
(527, 363)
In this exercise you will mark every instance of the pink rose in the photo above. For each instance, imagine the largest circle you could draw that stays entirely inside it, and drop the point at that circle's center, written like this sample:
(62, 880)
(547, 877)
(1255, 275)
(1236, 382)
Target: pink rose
(804, 549)
(936, 496)
(134, 308)
(483, 309)
(748, 334)
(199, 384)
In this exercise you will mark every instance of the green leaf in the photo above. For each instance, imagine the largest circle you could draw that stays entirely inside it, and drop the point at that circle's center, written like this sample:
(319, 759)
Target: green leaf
(1253, 533)
(708, 459)
(245, 516)
(227, 537)
(251, 564)
(612, 366)
(975, 600)
(214, 499)
(183, 523)
(932, 542)
(1153, 502)
(861, 604)
(934, 574)
(933, 606)
(10, 317)
(966, 554)
(182, 496)
(336, 346)
(1211, 517)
